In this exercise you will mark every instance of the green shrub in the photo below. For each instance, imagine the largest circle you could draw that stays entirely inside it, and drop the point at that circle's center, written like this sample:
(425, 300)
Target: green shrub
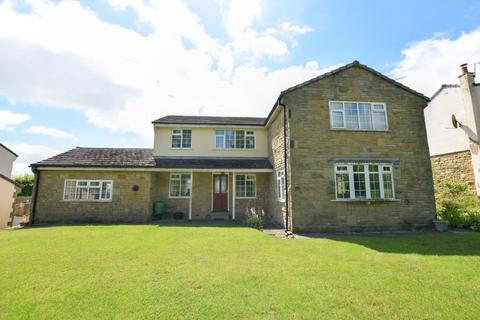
(254, 219)
(27, 181)
(456, 205)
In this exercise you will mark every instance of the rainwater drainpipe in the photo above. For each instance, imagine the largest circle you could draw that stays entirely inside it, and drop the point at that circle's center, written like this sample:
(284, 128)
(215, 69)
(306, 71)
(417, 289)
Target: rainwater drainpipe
(285, 166)
(34, 200)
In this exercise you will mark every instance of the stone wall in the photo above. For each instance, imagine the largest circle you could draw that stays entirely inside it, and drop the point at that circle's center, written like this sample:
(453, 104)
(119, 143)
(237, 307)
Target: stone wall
(276, 214)
(312, 171)
(455, 166)
(126, 205)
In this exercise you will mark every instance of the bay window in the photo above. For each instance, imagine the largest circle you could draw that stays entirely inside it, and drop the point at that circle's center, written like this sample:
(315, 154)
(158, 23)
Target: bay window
(358, 116)
(364, 181)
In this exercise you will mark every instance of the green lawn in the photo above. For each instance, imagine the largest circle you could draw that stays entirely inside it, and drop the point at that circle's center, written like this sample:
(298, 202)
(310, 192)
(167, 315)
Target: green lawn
(228, 272)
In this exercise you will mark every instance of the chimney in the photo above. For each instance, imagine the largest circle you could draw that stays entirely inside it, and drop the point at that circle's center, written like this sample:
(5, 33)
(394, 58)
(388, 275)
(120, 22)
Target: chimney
(464, 69)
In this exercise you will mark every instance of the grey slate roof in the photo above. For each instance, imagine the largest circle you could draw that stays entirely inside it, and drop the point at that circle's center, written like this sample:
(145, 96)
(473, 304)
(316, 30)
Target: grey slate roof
(203, 120)
(143, 158)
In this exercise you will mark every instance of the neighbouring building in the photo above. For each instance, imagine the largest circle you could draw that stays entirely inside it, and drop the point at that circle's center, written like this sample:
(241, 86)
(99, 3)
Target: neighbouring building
(8, 187)
(453, 122)
(345, 151)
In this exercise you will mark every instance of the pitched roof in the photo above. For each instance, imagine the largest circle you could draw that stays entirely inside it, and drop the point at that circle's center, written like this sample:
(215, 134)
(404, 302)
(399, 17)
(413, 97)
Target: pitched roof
(338, 70)
(2, 145)
(359, 65)
(143, 158)
(203, 120)
(444, 86)
(18, 185)
(101, 157)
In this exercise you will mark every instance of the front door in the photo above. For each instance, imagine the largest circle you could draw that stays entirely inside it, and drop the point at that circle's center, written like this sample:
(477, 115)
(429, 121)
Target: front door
(220, 192)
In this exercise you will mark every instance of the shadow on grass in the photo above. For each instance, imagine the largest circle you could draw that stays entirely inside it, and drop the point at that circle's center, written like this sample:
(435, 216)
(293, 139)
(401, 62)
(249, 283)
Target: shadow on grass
(158, 223)
(449, 244)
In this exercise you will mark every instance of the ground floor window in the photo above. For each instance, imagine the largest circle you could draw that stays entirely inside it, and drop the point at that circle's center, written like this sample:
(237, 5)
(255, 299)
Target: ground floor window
(281, 185)
(364, 181)
(88, 190)
(245, 186)
(180, 185)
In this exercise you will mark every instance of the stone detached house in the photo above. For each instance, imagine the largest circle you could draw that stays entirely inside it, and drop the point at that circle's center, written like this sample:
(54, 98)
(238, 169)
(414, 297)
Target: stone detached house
(453, 123)
(346, 151)
(8, 188)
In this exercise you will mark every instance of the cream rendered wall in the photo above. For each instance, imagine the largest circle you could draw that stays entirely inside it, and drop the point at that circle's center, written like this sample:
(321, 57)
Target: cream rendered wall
(203, 143)
(6, 162)
(6, 202)
(442, 137)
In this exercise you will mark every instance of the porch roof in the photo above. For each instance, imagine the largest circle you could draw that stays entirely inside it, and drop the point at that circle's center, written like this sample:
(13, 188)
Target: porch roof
(137, 158)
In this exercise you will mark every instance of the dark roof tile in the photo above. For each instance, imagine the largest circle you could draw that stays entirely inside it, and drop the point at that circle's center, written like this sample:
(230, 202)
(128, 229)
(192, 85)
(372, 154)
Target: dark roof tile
(202, 120)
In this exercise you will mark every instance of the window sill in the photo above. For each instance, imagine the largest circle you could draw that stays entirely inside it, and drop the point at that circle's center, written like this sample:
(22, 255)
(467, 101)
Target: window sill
(170, 197)
(365, 200)
(181, 148)
(75, 200)
(245, 198)
(233, 149)
(358, 130)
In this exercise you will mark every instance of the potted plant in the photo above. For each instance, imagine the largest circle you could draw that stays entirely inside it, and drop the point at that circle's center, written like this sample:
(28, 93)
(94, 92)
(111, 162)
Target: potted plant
(440, 225)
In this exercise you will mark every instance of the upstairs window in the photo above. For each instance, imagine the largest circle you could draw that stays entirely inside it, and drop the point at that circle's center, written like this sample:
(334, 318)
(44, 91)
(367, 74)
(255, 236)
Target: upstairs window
(87, 190)
(358, 115)
(364, 181)
(181, 138)
(234, 139)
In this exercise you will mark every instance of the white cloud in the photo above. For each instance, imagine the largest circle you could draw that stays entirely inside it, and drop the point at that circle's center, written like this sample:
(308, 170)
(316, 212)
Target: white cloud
(428, 64)
(9, 120)
(27, 154)
(52, 132)
(121, 80)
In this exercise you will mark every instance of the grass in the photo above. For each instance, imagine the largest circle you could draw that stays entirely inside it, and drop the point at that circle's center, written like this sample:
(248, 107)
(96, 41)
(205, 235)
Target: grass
(229, 272)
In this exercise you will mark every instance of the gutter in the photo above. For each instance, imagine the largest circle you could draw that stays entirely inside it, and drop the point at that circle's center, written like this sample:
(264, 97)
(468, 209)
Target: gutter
(285, 165)
(35, 193)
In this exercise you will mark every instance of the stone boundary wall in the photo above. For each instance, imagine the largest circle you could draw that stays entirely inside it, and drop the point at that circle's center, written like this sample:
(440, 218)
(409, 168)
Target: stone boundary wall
(455, 166)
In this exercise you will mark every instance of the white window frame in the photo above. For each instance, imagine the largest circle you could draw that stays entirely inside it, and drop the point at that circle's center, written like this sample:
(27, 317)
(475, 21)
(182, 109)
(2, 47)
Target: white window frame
(181, 138)
(372, 111)
(281, 189)
(77, 181)
(247, 176)
(172, 178)
(381, 171)
(246, 133)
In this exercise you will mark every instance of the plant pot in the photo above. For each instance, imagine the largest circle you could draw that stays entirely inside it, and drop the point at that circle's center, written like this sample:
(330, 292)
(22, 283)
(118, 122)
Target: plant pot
(440, 225)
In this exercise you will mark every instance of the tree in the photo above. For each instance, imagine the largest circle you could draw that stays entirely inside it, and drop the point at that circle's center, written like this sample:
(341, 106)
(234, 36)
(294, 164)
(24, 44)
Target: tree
(27, 181)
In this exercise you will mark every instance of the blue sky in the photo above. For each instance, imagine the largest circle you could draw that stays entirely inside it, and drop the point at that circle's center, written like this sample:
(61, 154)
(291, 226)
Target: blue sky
(95, 73)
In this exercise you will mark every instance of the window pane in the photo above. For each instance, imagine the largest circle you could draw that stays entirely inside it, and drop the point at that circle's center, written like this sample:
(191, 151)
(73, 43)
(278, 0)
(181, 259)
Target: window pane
(250, 188)
(176, 141)
(374, 182)
(337, 119)
(220, 142)
(94, 193)
(336, 106)
(82, 193)
(186, 138)
(240, 139)
(359, 181)
(69, 192)
(250, 142)
(185, 185)
(106, 190)
(387, 186)
(229, 139)
(365, 115)
(343, 186)
(240, 186)
(351, 115)
(379, 120)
